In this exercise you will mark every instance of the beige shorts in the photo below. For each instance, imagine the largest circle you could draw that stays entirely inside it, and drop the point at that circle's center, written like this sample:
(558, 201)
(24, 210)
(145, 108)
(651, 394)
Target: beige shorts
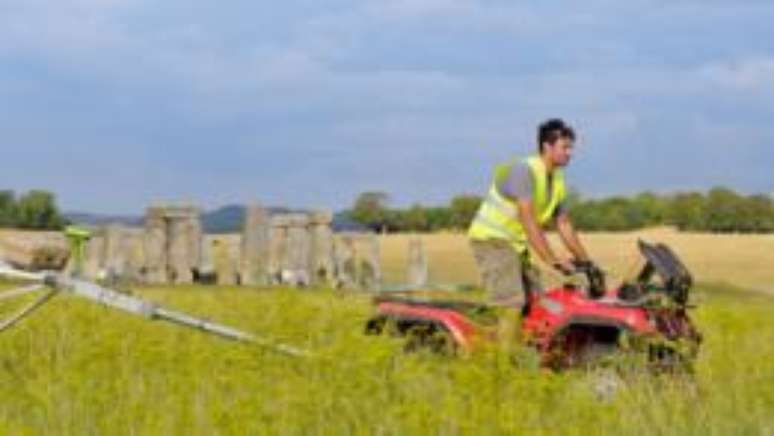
(505, 274)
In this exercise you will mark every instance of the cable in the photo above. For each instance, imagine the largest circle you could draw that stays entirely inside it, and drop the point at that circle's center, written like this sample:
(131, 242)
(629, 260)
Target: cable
(10, 322)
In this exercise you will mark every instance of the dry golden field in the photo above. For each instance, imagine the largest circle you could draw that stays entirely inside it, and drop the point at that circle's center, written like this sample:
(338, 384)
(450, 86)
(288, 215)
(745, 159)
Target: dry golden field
(744, 261)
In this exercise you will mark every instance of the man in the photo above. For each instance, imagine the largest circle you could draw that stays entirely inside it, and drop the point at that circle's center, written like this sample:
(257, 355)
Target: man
(525, 196)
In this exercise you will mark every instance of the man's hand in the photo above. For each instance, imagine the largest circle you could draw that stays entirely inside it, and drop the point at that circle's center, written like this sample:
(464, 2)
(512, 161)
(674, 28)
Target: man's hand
(564, 266)
(584, 264)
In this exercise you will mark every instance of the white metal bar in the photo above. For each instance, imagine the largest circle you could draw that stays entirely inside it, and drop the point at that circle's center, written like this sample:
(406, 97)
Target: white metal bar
(13, 273)
(146, 309)
(125, 303)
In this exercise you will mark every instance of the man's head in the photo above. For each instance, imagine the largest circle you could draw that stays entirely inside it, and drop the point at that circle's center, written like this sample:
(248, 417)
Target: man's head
(555, 141)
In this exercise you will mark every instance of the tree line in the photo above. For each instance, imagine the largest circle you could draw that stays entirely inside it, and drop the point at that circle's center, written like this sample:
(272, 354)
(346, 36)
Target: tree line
(720, 210)
(35, 210)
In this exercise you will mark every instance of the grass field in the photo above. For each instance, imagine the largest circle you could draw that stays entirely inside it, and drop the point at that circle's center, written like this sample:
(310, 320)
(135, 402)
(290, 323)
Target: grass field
(75, 368)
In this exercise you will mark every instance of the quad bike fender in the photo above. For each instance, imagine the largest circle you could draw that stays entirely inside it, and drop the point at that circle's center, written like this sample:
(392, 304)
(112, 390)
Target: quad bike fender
(604, 329)
(461, 330)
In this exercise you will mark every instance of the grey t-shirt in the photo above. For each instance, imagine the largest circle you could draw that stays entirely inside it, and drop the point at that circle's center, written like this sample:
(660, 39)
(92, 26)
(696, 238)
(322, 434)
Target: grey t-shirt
(520, 185)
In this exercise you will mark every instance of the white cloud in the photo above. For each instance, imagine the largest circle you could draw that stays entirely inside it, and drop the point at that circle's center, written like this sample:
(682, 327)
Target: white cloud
(747, 74)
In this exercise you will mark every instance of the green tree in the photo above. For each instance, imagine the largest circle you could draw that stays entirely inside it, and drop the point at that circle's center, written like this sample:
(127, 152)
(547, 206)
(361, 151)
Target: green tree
(37, 210)
(438, 218)
(651, 207)
(686, 211)
(415, 219)
(617, 215)
(462, 210)
(585, 213)
(722, 210)
(7, 209)
(754, 214)
(370, 209)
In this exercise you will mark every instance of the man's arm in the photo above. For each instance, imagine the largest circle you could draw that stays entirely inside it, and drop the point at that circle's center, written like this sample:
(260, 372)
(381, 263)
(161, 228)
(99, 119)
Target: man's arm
(570, 237)
(518, 186)
(535, 235)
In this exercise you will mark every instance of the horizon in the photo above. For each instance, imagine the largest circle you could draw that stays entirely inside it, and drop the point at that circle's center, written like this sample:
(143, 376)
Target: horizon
(391, 205)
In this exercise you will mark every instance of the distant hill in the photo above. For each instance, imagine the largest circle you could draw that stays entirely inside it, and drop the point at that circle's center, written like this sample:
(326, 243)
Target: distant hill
(227, 219)
(230, 219)
(93, 219)
(343, 223)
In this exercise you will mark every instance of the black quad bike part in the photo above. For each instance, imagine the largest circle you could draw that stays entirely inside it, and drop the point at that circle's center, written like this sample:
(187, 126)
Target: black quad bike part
(594, 275)
(661, 262)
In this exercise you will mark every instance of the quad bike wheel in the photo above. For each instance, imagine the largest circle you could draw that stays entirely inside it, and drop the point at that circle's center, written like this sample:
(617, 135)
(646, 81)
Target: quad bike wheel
(594, 347)
(582, 346)
(419, 335)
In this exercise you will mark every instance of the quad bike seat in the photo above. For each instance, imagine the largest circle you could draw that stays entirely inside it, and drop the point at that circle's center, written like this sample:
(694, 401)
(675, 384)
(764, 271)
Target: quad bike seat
(480, 312)
(435, 299)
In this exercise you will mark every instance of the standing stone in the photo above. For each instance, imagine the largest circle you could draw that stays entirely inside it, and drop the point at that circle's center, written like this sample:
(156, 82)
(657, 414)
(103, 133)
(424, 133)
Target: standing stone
(178, 266)
(322, 256)
(173, 238)
(278, 237)
(417, 264)
(183, 244)
(290, 258)
(116, 252)
(256, 247)
(207, 263)
(95, 250)
(135, 255)
(358, 261)
(194, 236)
(370, 270)
(225, 261)
(297, 255)
(155, 243)
(346, 262)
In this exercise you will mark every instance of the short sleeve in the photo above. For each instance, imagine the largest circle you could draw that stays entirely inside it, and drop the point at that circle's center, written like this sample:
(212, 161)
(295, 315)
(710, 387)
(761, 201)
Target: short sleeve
(519, 183)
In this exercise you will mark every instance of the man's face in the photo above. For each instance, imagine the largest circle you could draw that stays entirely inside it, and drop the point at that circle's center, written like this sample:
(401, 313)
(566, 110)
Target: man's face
(560, 152)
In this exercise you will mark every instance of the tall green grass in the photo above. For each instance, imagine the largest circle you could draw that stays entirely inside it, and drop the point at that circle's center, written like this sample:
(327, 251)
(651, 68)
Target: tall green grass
(75, 369)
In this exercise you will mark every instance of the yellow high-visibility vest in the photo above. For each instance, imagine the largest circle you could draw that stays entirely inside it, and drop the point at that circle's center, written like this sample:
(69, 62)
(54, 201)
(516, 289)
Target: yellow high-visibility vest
(498, 216)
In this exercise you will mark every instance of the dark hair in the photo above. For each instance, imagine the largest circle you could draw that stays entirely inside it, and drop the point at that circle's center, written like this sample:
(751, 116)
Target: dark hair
(552, 130)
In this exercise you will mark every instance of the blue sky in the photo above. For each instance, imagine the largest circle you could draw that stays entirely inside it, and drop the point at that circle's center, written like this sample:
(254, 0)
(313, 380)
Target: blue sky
(114, 104)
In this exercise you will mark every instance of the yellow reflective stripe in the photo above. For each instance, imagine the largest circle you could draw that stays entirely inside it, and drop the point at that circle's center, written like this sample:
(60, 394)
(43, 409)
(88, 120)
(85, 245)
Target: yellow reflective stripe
(494, 214)
(493, 228)
(496, 201)
(483, 229)
(539, 193)
(545, 206)
(490, 223)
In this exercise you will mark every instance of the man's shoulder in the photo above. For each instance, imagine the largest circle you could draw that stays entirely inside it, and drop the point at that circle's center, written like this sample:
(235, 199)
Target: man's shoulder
(518, 181)
(520, 172)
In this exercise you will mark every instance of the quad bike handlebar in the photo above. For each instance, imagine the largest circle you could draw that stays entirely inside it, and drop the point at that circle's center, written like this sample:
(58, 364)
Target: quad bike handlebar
(595, 282)
(594, 275)
(662, 274)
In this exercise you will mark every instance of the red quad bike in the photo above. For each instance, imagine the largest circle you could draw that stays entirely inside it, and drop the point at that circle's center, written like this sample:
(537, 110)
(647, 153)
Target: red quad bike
(571, 326)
